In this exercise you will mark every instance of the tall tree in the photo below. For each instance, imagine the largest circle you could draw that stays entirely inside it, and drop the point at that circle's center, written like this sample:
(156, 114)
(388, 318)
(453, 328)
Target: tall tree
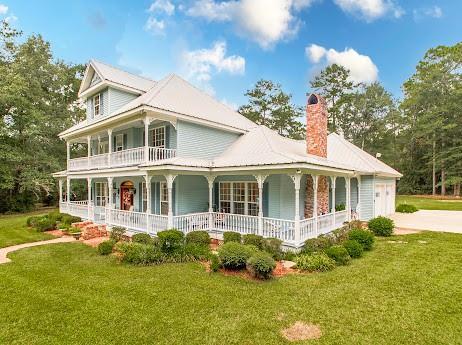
(270, 106)
(333, 83)
(37, 101)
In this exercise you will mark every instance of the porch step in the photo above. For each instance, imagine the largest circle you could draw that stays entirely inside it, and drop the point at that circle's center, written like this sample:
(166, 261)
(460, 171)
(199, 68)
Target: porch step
(91, 230)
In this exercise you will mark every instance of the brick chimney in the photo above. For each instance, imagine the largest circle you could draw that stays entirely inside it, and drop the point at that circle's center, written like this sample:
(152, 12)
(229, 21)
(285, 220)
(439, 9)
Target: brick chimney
(316, 144)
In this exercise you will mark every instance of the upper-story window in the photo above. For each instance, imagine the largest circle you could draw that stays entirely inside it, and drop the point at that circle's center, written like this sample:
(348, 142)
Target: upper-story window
(119, 142)
(158, 137)
(97, 105)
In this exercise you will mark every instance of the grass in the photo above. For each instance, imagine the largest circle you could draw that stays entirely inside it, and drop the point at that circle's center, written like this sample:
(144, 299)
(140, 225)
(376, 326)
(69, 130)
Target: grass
(13, 230)
(396, 294)
(426, 203)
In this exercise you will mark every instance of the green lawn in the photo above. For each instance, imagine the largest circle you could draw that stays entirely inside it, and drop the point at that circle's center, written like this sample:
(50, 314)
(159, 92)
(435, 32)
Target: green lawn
(397, 294)
(13, 230)
(428, 203)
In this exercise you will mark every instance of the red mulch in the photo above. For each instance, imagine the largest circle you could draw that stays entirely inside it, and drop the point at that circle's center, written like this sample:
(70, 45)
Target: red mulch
(57, 233)
(94, 242)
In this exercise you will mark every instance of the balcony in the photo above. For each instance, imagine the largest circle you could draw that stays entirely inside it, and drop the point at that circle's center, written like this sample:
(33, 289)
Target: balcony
(124, 158)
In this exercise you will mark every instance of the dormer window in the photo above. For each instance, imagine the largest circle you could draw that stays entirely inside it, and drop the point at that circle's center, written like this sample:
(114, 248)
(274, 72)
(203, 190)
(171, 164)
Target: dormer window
(97, 105)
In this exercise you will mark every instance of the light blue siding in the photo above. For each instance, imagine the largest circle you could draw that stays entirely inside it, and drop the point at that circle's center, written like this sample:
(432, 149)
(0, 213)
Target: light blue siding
(192, 194)
(118, 99)
(202, 142)
(103, 104)
(367, 197)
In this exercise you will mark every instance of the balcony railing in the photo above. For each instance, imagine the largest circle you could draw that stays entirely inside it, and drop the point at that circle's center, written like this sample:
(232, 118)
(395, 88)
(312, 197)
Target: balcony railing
(122, 158)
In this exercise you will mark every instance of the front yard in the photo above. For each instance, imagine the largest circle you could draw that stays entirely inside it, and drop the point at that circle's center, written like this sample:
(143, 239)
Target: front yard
(66, 293)
(430, 203)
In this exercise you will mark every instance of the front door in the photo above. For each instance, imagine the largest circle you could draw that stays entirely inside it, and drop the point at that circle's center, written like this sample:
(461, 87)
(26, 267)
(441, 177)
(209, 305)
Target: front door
(126, 199)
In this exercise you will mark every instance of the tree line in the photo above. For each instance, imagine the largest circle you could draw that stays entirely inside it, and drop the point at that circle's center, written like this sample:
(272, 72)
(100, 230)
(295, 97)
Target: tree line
(419, 135)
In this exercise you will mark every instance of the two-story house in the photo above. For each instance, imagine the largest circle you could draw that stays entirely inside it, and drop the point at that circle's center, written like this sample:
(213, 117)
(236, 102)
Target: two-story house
(163, 154)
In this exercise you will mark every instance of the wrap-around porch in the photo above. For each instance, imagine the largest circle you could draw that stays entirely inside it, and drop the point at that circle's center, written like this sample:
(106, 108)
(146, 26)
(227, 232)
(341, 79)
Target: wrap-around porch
(272, 205)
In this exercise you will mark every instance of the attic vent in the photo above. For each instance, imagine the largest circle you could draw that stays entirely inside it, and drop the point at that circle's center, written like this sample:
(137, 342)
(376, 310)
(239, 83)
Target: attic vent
(312, 99)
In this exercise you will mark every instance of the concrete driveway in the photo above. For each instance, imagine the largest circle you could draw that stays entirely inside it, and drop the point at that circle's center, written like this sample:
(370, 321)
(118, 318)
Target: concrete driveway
(447, 221)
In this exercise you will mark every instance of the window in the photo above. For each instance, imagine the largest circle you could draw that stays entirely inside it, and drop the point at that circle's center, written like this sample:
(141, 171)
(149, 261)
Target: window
(103, 147)
(144, 197)
(158, 137)
(101, 194)
(97, 105)
(119, 142)
(163, 198)
(239, 198)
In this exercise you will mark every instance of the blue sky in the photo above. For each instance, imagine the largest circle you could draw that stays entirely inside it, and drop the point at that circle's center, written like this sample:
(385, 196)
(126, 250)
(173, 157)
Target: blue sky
(224, 47)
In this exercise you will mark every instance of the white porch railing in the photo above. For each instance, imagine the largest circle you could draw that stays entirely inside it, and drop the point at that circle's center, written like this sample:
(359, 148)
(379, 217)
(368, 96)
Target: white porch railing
(77, 164)
(340, 218)
(79, 210)
(279, 228)
(158, 153)
(235, 222)
(307, 229)
(80, 202)
(325, 223)
(157, 223)
(191, 222)
(98, 161)
(127, 157)
(128, 219)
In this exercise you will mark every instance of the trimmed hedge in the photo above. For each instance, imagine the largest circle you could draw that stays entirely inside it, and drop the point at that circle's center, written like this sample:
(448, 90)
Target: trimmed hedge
(45, 224)
(261, 265)
(235, 255)
(117, 233)
(32, 221)
(273, 247)
(142, 238)
(406, 208)
(317, 262)
(141, 254)
(198, 237)
(231, 236)
(105, 247)
(197, 251)
(171, 240)
(354, 248)
(364, 237)
(339, 254)
(254, 240)
(381, 226)
(317, 244)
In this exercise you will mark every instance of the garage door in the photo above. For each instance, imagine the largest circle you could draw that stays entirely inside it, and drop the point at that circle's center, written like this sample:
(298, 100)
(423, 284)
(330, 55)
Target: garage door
(384, 199)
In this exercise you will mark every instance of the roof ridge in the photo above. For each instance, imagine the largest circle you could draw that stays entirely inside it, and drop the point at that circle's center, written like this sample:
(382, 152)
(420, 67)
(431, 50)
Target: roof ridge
(270, 143)
(121, 69)
(163, 83)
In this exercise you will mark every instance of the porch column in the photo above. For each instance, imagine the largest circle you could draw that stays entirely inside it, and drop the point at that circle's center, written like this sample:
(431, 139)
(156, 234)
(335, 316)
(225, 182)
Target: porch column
(60, 190)
(297, 178)
(210, 180)
(89, 149)
(260, 180)
(109, 205)
(315, 202)
(146, 121)
(333, 181)
(109, 134)
(170, 178)
(358, 208)
(68, 190)
(68, 148)
(147, 179)
(89, 201)
(348, 197)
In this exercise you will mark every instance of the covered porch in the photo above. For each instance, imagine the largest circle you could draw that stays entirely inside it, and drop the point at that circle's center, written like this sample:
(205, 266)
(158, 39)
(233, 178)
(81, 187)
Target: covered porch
(273, 204)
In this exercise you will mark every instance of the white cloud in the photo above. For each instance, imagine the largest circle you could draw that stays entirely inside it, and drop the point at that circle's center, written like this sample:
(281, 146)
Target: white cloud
(433, 12)
(315, 53)
(201, 64)
(370, 9)
(155, 26)
(361, 67)
(3, 9)
(11, 18)
(265, 22)
(164, 6)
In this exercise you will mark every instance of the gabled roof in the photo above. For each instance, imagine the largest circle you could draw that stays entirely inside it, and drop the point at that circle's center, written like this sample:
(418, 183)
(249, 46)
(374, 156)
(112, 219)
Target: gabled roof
(117, 76)
(341, 150)
(175, 94)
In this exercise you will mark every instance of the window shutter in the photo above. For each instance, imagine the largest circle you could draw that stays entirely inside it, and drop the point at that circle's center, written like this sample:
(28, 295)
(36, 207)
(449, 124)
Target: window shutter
(101, 103)
(174, 199)
(113, 143)
(265, 199)
(143, 136)
(125, 141)
(167, 136)
(216, 196)
(140, 197)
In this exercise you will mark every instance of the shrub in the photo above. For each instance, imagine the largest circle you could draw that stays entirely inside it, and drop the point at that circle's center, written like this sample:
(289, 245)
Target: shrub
(56, 216)
(141, 254)
(288, 255)
(261, 265)
(231, 236)
(339, 254)
(340, 207)
(340, 235)
(273, 246)
(105, 247)
(406, 208)
(198, 237)
(170, 240)
(117, 233)
(253, 240)
(316, 262)
(45, 224)
(355, 224)
(214, 263)
(67, 219)
(316, 244)
(354, 248)
(142, 238)
(364, 237)
(74, 230)
(381, 226)
(235, 255)
(197, 251)
(32, 221)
